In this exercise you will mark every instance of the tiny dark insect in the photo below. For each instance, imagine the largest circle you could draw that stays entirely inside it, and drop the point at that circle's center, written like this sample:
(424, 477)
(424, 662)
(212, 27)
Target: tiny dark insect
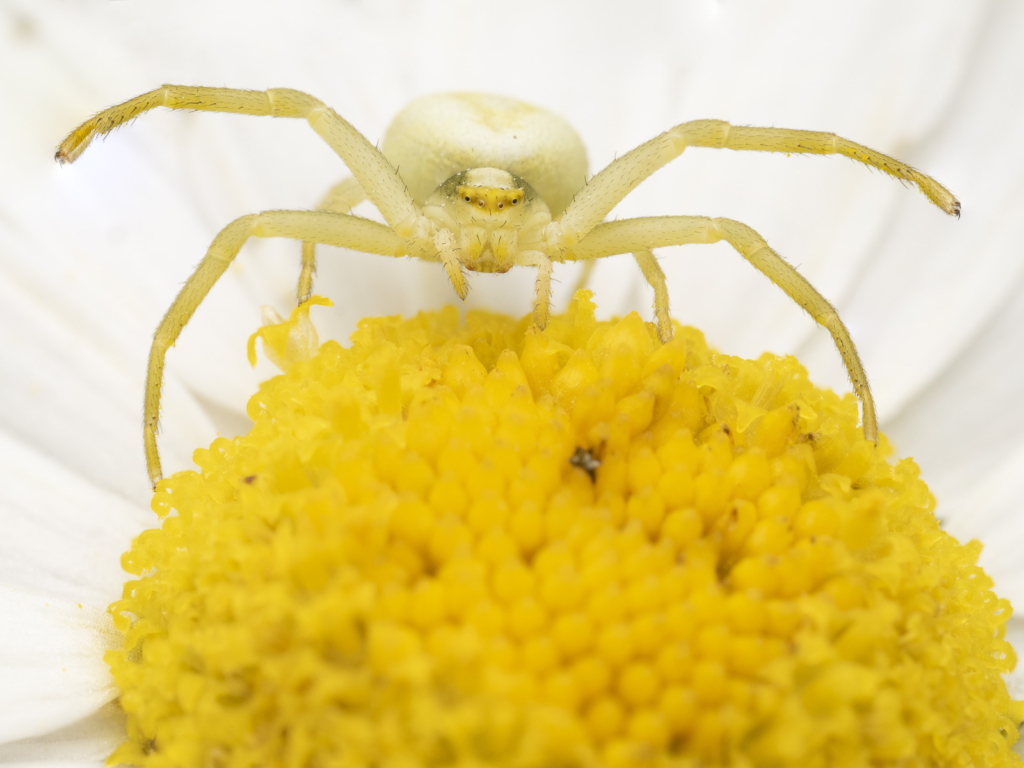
(585, 460)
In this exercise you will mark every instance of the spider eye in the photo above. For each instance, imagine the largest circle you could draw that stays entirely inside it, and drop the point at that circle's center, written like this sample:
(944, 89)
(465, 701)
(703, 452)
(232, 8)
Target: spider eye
(467, 198)
(500, 206)
(480, 203)
(515, 200)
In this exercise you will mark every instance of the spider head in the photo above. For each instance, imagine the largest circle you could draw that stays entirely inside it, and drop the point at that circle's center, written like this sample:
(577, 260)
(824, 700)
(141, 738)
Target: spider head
(490, 200)
(486, 197)
(492, 213)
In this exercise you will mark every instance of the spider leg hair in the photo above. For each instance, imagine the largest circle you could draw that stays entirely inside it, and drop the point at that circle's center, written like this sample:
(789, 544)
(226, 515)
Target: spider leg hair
(375, 174)
(604, 191)
(326, 228)
(341, 198)
(643, 234)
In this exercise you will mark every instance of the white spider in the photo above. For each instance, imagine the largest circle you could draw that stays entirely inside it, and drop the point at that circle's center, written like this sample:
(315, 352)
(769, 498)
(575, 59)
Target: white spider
(488, 183)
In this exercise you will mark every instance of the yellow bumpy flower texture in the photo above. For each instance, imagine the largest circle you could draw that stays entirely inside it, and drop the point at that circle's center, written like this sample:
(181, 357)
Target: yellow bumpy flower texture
(482, 544)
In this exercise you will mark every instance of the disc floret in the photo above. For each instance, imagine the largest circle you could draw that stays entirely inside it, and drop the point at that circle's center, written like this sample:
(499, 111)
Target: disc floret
(402, 564)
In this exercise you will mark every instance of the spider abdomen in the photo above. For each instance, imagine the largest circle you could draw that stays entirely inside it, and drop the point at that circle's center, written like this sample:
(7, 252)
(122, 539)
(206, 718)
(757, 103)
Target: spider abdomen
(438, 136)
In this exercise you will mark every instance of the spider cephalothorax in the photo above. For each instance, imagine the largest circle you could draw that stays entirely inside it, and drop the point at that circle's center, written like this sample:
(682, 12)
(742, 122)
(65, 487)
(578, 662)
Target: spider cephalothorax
(486, 184)
(495, 213)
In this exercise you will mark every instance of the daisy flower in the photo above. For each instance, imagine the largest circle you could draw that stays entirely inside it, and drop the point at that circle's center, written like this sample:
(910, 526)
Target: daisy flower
(92, 255)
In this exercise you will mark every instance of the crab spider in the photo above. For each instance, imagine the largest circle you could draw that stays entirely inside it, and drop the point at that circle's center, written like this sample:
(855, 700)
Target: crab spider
(489, 183)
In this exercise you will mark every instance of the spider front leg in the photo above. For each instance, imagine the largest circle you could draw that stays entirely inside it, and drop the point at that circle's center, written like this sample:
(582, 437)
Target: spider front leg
(342, 198)
(638, 235)
(603, 192)
(322, 227)
(376, 176)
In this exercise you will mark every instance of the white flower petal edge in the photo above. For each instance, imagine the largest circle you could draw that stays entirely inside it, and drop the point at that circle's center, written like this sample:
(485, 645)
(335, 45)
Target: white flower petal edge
(939, 330)
(776, 64)
(90, 242)
(65, 394)
(968, 428)
(51, 662)
(86, 742)
(994, 509)
(62, 535)
(933, 286)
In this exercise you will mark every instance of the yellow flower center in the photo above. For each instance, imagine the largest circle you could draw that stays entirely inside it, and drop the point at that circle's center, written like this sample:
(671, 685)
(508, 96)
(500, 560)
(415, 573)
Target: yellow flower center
(486, 545)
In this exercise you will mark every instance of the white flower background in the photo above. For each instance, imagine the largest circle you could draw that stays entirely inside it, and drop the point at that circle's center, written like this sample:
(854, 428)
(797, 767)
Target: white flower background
(91, 255)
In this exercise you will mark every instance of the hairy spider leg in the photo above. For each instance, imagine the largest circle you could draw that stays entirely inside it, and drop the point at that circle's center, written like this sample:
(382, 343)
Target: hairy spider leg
(642, 234)
(655, 278)
(326, 228)
(652, 272)
(603, 192)
(375, 175)
(447, 248)
(542, 296)
(341, 198)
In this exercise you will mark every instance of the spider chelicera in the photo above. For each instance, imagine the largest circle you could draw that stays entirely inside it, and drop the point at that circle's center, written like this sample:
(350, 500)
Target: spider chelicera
(486, 184)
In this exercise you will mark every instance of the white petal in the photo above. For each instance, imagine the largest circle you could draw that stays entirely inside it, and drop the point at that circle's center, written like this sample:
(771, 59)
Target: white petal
(967, 432)
(934, 285)
(86, 742)
(51, 662)
(992, 513)
(87, 242)
(777, 64)
(63, 536)
(953, 383)
(68, 396)
(110, 239)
